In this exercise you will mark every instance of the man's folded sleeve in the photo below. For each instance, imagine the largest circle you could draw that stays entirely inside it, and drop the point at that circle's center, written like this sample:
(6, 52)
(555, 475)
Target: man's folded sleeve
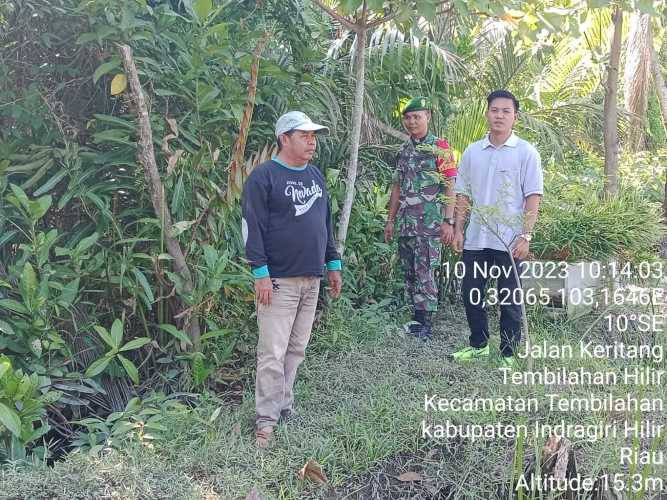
(254, 206)
(447, 165)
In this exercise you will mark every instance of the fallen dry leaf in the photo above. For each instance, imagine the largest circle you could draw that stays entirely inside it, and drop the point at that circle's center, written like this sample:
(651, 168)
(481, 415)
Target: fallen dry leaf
(173, 126)
(551, 446)
(253, 495)
(165, 143)
(236, 429)
(229, 375)
(410, 476)
(313, 471)
(558, 457)
(562, 462)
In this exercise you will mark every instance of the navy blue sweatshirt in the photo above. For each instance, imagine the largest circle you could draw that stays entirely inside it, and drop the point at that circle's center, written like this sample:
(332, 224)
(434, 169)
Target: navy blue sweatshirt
(287, 227)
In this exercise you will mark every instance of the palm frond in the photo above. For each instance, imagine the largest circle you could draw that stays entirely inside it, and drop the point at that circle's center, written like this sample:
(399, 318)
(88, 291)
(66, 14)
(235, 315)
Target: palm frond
(595, 30)
(491, 35)
(430, 57)
(568, 74)
(564, 126)
(467, 126)
(504, 64)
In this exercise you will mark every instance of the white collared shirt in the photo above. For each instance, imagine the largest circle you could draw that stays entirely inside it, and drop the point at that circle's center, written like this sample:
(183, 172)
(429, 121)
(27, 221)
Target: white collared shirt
(497, 180)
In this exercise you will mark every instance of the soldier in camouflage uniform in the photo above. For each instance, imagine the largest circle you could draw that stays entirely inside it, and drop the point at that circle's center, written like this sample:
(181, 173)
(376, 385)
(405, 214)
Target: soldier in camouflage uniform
(422, 181)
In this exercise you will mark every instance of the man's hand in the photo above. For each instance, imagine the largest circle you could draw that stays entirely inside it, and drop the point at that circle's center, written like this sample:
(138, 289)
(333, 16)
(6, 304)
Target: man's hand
(457, 243)
(446, 234)
(520, 249)
(263, 291)
(335, 283)
(388, 231)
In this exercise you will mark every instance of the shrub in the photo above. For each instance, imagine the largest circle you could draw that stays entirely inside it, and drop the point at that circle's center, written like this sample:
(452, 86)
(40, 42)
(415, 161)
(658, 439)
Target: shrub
(582, 226)
(22, 412)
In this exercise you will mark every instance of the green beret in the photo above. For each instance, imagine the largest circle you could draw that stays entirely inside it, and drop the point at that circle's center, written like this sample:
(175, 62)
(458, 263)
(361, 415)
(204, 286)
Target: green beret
(417, 104)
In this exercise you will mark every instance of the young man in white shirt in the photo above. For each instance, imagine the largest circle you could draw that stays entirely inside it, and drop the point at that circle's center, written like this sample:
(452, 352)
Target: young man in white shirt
(500, 184)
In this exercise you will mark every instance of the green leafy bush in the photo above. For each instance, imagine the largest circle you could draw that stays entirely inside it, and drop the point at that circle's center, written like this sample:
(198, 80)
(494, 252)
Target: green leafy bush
(644, 172)
(584, 227)
(371, 268)
(140, 421)
(22, 412)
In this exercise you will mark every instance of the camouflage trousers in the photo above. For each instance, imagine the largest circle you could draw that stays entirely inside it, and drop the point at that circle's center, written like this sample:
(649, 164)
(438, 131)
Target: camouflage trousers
(420, 257)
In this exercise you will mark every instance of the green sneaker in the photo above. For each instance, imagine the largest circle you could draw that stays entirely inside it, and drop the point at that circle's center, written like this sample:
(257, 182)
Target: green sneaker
(468, 353)
(508, 362)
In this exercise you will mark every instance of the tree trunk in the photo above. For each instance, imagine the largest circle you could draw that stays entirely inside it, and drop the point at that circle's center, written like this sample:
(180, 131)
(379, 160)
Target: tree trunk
(611, 109)
(660, 85)
(637, 77)
(661, 90)
(146, 157)
(357, 112)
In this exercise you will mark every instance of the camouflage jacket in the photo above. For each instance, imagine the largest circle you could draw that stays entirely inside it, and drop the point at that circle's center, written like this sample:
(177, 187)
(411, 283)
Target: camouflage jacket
(421, 176)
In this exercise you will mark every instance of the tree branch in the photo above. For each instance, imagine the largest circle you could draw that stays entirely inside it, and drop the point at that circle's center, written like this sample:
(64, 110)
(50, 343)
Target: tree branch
(341, 19)
(382, 20)
(391, 131)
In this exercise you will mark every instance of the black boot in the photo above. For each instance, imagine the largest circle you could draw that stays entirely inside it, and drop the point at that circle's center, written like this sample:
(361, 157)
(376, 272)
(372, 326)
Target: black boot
(417, 323)
(425, 332)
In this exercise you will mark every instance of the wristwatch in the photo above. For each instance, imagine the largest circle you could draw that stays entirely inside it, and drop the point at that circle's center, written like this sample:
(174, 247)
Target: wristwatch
(526, 236)
(451, 221)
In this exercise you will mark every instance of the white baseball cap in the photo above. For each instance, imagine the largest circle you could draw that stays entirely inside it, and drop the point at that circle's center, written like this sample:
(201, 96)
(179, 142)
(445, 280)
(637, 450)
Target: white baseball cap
(296, 120)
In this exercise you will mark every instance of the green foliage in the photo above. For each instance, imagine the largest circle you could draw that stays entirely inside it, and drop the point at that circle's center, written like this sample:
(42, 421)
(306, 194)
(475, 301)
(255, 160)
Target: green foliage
(200, 371)
(140, 422)
(114, 341)
(644, 172)
(344, 326)
(656, 130)
(577, 224)
(41, 292)
(403, 11)
(81, 245)
(22, 413)
(371, 271)
(80, 242)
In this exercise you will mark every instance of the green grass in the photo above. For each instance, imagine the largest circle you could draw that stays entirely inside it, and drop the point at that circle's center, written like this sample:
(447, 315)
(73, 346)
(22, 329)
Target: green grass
(360, 403)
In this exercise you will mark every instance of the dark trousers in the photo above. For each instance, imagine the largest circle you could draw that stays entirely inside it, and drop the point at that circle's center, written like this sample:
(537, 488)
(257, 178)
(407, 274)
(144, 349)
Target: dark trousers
(473, 287)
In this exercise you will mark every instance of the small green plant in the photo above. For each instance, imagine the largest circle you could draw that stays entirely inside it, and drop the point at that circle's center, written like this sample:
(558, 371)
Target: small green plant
(140, 421)
(114, 340)
(22, 412)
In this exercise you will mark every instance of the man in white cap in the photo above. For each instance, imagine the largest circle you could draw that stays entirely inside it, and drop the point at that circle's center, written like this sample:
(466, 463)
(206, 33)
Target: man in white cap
(288, 236)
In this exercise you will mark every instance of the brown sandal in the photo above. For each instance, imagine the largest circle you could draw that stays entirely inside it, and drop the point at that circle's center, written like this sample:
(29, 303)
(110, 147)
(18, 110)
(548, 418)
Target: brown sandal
(263, 436)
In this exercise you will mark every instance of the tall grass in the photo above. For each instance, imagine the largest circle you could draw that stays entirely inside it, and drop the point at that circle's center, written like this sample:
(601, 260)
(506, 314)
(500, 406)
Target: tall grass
(581, 226)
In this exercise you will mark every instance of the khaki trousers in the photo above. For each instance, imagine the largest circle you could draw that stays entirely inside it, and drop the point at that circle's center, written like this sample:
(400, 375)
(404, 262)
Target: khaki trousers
(284, 331)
